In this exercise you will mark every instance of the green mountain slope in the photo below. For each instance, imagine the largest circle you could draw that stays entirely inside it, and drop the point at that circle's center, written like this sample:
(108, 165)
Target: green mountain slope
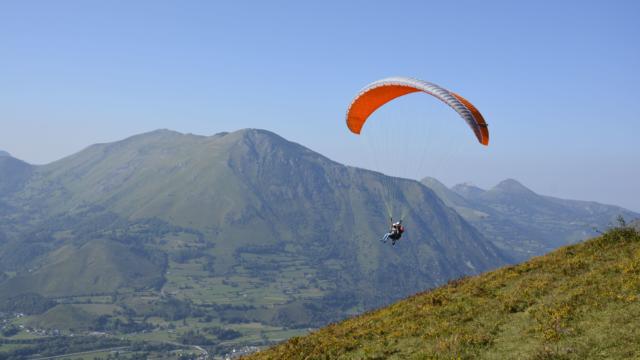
(523, 223)
(64, 317)
(235, 219)
(579, 302)
(14, 172)
(454, 200)
(96, 267)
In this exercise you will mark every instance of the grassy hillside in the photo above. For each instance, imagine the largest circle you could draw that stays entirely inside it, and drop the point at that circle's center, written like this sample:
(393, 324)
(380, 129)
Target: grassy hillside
(579, 302)
(95, 267)
(64, 316)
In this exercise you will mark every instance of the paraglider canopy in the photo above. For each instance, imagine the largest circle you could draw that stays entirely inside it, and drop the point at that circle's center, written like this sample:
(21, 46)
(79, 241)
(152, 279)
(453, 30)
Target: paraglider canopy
(380, 92)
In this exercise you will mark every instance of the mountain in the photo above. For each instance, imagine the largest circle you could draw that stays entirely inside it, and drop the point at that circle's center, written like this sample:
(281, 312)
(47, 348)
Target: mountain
(4, 154)
(97, 267)
(14, 173)
(574, 303)
(241, 226)
(455, 200)
(467, 190)
(523, 223)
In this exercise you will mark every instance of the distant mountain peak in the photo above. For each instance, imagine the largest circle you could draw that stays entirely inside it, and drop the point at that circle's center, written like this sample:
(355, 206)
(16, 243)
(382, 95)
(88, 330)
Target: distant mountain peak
(165, 136)
(511, 186)
(432, 180)
(468, 185)
(467, 190)
(154, 134)
(252, 132)
(265, 141)
(4, 154)
(168, 133)
(161, 132)
(164, 131)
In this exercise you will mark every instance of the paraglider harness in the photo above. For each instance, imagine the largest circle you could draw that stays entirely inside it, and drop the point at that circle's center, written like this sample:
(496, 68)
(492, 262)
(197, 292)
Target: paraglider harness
(395, 232)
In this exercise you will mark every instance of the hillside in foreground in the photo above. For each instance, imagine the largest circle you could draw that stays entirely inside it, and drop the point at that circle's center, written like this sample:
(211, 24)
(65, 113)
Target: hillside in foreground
(579, 302)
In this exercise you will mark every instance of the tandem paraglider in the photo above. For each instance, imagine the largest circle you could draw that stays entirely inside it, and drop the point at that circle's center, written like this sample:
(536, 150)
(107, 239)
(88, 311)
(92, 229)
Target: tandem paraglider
(380, 92)
(395, 233)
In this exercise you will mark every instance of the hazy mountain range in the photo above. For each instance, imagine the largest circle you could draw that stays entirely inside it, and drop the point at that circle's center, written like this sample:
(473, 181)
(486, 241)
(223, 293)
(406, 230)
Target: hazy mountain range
(523, 223)
(243, 218)
(246, 226)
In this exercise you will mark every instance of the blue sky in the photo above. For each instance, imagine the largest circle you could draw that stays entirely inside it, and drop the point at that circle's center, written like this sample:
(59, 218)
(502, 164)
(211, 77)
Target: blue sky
(556, 81)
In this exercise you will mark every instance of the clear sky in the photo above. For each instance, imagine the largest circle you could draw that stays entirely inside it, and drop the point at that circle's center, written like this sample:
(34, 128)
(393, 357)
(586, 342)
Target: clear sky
(556, 80)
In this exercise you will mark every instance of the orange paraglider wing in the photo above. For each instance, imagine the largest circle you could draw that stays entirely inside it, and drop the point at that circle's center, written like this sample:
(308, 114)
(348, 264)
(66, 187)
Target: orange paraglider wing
(380, 92)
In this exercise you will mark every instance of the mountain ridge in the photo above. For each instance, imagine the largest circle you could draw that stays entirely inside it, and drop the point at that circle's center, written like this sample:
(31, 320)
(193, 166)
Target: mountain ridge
(523, 223)
(248, 207)
(467, 190)
(15, 174)
(222, 230)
